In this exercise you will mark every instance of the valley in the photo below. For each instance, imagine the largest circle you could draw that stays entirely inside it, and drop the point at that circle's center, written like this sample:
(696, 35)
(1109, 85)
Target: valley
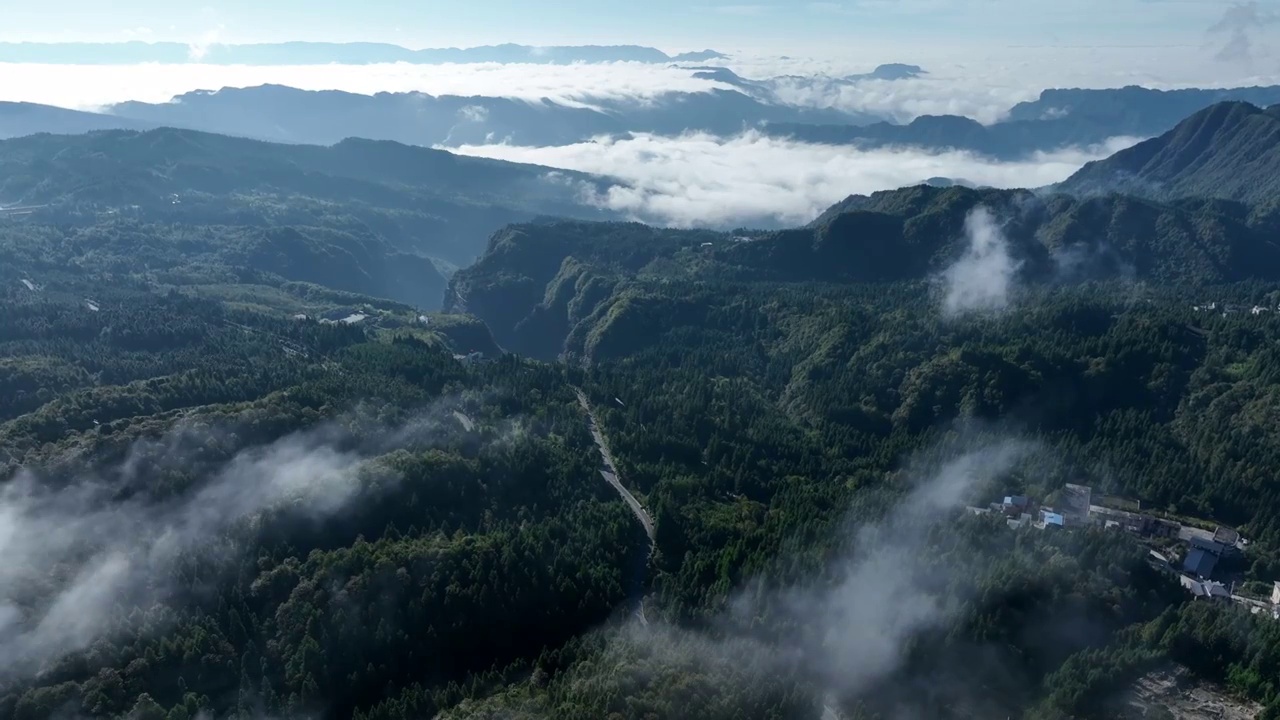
(304, 415)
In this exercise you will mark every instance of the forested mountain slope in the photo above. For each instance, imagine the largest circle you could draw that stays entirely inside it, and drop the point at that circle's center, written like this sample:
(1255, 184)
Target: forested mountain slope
(233, 480)
(537, 282)
(1229, 151)
(421, 200)
(244, 474)
(756, 388)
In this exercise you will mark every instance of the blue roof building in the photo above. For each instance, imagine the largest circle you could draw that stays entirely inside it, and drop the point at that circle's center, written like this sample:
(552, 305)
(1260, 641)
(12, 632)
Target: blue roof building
(1200, 563)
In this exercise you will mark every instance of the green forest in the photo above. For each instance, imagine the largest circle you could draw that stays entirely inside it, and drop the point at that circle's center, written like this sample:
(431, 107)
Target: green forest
(249, 469)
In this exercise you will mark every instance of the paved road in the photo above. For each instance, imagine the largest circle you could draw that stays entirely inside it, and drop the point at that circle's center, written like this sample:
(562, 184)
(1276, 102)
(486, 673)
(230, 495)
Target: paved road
(613, 477)
(610, 471)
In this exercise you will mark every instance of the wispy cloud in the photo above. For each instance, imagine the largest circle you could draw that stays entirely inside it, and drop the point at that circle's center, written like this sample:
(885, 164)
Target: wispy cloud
(851, 630)
(75, 551)
(981, 280)
(1239, 24)
(744, 10)
(89, 86)
(704, 180)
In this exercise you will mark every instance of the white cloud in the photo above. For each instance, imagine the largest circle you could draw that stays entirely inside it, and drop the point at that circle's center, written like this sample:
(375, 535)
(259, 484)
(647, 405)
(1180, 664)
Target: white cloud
(851, 629)
(89, 86)
(981, 280)
(706, 180)
(96, 552)
(983, 83)
(199, 48)
(75, 553)
(473, 113)
(743, 10)
(978, 83)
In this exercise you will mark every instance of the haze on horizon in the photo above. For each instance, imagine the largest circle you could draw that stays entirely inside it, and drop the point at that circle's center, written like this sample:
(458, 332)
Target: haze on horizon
(831, 27)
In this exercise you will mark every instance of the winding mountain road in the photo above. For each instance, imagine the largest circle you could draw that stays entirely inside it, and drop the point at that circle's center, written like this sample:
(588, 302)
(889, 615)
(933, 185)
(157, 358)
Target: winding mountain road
(610, 471)
(614, 478)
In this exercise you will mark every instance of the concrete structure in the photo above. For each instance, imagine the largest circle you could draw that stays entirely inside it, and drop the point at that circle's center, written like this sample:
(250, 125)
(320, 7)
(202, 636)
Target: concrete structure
(1275, 593)
(1076, 503)
(1226, 536)
(1134, 522)
(1021, 521)
(470, 358)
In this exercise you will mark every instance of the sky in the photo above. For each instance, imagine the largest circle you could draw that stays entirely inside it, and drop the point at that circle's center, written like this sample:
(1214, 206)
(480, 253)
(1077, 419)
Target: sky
(669, 24)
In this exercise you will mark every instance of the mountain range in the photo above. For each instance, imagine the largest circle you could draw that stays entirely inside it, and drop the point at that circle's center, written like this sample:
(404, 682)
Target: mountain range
(414, 203)
(1194, 209)
(1230, 151)
(1058, 119)
(284, 114)
(247, 472)
(322, 53)
(545, 288)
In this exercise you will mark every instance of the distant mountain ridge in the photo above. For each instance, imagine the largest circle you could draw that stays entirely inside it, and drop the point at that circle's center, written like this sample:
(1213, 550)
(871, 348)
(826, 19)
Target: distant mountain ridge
(19, 118)
(284, 114)
(323, 53)
(1058, 119)
(1230, 151)
(1135, 104)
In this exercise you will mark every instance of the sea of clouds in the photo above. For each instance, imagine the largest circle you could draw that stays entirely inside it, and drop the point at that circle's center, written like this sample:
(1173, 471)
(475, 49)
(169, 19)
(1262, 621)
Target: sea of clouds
(981, 85)
(699, 179)
(757, 180)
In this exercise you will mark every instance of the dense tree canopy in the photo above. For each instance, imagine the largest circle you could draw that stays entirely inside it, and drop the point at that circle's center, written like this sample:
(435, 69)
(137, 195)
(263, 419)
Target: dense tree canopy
(246, 475)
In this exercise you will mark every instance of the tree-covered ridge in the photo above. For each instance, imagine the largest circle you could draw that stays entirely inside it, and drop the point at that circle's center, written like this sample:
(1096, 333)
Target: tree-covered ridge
(308, 515)
(755, 425)
(756, 387)
(242, 484)
(537, 283)
(1109, 365)
(1227, 151)
(425, 201)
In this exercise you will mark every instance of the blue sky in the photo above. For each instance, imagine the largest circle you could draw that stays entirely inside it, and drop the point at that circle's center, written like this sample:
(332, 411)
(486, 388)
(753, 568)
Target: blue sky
(677, 24)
